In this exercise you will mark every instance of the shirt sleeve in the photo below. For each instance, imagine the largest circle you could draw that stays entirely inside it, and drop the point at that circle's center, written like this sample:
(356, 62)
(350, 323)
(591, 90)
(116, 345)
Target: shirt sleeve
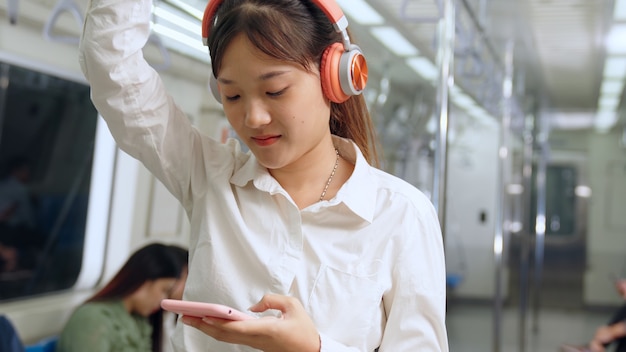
(129, 94)
(415, 305)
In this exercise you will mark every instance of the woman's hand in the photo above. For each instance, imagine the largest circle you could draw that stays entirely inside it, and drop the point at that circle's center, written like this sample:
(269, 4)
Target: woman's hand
(620, 286)
(294, 331)
(607, 334)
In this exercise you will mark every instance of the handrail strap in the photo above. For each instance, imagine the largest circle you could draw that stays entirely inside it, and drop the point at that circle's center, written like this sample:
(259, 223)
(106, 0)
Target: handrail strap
(62, 6)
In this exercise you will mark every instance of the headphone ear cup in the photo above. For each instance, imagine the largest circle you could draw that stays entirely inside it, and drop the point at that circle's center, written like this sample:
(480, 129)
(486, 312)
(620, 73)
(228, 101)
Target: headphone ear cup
(330, 72)
(214, 88)
(353, 71)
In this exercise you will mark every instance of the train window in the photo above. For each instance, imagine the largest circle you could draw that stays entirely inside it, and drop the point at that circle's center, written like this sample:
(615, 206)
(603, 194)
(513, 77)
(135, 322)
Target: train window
(561, 183)
(560, 202)
(47, 133)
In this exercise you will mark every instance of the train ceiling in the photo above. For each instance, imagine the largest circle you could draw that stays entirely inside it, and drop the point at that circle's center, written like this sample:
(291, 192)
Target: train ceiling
(559, 46)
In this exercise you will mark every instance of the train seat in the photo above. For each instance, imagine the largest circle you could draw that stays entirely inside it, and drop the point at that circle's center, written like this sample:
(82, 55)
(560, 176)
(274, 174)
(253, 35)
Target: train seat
(47, 344)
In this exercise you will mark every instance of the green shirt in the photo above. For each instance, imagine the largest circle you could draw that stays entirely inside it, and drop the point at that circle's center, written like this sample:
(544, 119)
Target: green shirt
(105, 327)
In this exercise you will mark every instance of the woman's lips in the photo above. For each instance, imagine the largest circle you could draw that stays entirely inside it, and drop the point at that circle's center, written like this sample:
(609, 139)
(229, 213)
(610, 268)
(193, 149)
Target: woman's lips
(265, 141)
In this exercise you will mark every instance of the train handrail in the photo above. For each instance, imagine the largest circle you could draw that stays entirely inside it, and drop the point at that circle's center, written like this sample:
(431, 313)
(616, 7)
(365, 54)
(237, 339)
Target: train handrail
(60, 7)
(167, 61)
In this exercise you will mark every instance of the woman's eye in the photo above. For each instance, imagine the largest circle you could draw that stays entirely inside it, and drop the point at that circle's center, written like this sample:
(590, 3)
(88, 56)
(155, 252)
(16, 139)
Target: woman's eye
(232, 98)
(276, 94)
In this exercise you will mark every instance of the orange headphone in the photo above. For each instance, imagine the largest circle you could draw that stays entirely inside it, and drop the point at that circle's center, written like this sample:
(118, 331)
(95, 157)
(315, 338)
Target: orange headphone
(343, 70)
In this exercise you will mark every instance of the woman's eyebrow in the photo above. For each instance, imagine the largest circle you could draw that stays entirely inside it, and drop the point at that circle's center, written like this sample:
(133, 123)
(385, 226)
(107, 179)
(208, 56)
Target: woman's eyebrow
(272, 74)
(262, 77)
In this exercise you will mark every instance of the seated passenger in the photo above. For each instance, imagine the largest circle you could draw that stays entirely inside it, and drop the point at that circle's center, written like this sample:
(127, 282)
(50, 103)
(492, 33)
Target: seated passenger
(9, 338)
(613, 333)
(125, 315)
(19, 238)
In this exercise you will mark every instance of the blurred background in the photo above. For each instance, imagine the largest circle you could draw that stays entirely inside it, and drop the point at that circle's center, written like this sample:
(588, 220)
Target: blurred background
(508, 114)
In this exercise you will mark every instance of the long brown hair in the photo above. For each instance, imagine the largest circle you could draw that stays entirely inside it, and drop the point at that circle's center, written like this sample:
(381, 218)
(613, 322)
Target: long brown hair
(151, 262)
(295, 31)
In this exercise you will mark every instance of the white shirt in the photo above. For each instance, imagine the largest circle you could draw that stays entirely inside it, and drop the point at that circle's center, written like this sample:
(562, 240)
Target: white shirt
(169, 324)
(367, 265)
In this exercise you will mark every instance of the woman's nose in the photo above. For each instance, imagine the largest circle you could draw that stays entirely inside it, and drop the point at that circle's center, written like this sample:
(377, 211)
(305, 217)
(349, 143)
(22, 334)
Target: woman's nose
(257, 114)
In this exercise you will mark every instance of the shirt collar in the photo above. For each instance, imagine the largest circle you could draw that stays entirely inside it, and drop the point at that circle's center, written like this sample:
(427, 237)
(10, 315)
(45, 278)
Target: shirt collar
(358, 193)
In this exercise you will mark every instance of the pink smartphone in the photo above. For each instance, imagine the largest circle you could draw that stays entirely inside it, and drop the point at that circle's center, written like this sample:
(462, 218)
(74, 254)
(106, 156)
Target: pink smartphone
(201, 309)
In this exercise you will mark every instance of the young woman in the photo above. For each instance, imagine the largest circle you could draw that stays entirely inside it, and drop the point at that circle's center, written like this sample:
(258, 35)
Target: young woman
(335, 254)
(125, 315)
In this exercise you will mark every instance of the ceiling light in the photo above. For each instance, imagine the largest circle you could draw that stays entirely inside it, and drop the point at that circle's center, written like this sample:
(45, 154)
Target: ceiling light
(194, 43)
(619, 14)
(198, 14)
(605, 120)
(394, 41)
(481, 115)
(615, 43)
(608, 102)
(423, 67)
(192, 27)
(361, 12)
(612, 87)
(615, 67)
(475, 110)
(463, 101)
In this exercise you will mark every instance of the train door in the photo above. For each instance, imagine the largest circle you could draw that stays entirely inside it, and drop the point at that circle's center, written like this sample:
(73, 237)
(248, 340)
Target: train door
(561, 284)
(556, 263)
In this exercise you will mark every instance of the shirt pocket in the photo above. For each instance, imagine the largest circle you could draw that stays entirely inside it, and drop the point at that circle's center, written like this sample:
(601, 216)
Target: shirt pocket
(346, 303)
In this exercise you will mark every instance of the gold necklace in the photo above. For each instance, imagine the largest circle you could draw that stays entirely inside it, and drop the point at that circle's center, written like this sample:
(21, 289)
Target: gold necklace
(330, 178)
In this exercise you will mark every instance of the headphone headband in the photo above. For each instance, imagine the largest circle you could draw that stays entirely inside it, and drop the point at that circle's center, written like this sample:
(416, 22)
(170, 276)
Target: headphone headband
(330, 8)
(343, 68)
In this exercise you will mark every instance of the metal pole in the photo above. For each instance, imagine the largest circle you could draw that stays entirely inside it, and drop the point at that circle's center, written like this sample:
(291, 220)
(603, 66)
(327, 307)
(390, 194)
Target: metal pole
(482, 13)
(527, 171)
(445, 58)
(501, 230)
(4, 89)
(540, 221)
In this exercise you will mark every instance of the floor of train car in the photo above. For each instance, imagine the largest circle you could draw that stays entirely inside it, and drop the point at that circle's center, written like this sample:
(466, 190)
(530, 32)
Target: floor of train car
(562, 316)
(561, 277)
(471, 329)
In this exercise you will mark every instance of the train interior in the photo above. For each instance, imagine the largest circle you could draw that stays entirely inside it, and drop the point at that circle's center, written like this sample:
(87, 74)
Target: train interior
(507, 114)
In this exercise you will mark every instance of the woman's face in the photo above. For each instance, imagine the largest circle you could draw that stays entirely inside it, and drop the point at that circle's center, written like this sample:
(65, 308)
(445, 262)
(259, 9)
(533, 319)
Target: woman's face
(277, 108)
(146, 300)
(179, 287)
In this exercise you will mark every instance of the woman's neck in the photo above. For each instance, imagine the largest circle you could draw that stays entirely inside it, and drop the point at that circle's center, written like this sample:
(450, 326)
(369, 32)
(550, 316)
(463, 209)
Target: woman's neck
(316, 175)
(127, 302)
